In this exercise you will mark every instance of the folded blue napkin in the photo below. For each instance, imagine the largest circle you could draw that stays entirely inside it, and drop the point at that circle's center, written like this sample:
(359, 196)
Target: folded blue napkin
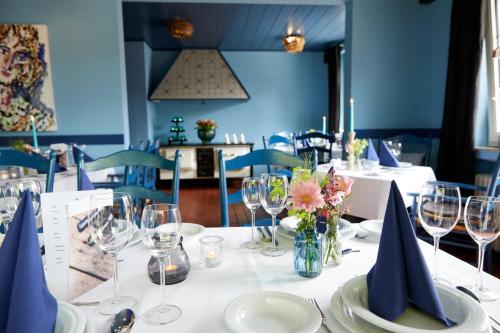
(76, 155)
(371, 153)
(400, 276)
(86, 183)
(386, 156)
(26, 304)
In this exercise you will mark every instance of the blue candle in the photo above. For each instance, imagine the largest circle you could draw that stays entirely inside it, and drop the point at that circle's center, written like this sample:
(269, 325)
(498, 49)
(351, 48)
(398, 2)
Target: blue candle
(324, 125)
(351, 118)
(33, 131)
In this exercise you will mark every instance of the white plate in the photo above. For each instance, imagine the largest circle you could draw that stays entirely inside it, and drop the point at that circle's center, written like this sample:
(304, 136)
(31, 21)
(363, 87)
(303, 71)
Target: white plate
(191, 229)
(372, 226)
(462, 309)
(349, 320)
(288, 225)
(267, 311)
(89, 327)
(70, 319)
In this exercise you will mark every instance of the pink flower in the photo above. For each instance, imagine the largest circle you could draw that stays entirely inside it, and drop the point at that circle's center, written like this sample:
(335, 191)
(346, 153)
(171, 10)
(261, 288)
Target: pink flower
(345, 185)
(306, 195)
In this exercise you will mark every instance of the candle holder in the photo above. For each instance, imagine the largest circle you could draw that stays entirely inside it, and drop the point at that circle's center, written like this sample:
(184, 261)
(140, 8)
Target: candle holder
(176, 270)
(351, 159)
(211, 251)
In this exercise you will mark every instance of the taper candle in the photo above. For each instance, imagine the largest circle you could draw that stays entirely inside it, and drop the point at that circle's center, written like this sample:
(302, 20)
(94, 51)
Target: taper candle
(33, 131)
(324, 125)
(351, 116)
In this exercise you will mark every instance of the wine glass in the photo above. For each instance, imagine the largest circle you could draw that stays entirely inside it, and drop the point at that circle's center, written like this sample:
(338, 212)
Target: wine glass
(111, 220)
(439, 207)
(482, 221)
(273, 197)
(250, 193)
(161, 228)
(12, 193)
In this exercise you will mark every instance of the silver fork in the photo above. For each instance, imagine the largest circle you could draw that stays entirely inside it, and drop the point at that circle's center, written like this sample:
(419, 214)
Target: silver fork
(323, 318)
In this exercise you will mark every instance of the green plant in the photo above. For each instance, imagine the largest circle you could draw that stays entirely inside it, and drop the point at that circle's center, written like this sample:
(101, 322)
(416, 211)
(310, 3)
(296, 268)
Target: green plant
(206, 124)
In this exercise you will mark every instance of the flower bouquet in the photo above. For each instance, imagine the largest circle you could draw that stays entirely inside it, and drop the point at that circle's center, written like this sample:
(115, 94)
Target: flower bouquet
(314, 196)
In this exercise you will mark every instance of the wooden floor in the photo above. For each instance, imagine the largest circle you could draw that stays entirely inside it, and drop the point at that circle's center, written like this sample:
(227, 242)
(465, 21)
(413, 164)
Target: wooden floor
(199, 203)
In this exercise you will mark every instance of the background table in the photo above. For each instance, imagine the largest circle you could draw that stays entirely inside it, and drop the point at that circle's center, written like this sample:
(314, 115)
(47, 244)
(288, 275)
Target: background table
(206, 292)
(371, 190)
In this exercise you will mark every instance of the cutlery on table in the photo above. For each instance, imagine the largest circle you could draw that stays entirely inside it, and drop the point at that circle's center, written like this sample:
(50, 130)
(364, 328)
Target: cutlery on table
(264, 237)
(347, 251)
(471, 294)
(323, 318)
(86, 303)
(270, 234)
(361, 234)
(123, 321)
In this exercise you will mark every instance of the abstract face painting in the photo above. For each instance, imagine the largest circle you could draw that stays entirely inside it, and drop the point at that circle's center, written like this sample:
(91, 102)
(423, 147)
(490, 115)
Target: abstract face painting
(25, 78)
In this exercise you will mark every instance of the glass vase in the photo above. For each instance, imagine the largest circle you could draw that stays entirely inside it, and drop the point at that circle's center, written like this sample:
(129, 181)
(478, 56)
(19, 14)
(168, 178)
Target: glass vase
(308, 253)
(332, 246)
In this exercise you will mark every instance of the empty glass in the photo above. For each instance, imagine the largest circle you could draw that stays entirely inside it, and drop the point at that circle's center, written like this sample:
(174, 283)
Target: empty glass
(439, 207)
(250, 193)
(111, 220)
(482, 221)
(161, 227)
(11, 194)
(273, 197)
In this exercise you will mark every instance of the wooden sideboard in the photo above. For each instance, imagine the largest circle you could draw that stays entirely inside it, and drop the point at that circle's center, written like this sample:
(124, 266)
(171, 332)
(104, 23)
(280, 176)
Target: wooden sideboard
(200, 161)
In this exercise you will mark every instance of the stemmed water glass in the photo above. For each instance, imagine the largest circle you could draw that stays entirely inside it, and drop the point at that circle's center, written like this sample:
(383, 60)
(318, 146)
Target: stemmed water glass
(11, 194)
(482, 221)
(250, 193)
(439, 207)
(161, 228)
(273, 197)
(111, 220)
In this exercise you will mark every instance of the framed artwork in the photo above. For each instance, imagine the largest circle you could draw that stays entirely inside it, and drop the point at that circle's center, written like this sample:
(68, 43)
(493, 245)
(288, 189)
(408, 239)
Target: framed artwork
(25, 79)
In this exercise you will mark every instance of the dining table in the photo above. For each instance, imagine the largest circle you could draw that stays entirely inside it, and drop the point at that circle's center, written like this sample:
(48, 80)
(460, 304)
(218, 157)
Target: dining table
(371, 188)
(206, 292)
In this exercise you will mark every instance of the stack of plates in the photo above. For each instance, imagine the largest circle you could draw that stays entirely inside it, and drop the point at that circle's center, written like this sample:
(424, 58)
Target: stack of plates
(268, 311)
(288, 226)
(71, 319)
(350, 308)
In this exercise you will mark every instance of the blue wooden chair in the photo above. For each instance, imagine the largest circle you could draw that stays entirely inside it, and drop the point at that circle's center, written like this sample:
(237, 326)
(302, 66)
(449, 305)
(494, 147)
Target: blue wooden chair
(12, 157)
(271, 143)
(324, 152)
(149, 175)
(416, 150)
(257, 157)
(459, 237)
(140, 159)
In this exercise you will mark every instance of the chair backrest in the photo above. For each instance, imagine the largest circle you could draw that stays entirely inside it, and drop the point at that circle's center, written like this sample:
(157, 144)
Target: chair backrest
(136, 158)
(149, 174)
(315, 142)
(274, 140)
(493, 187)
(10, 157)
(256, 157)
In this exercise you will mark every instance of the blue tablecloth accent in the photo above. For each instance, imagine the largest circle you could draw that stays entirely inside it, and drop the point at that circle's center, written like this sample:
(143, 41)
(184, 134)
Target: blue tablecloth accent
(371, 153)
(76, 154)
(386, 156)
(86, 183)
(26, 304)
(400, 276)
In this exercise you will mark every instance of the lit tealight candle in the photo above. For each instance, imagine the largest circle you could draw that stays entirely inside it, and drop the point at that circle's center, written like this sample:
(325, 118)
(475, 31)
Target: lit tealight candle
(170, 268)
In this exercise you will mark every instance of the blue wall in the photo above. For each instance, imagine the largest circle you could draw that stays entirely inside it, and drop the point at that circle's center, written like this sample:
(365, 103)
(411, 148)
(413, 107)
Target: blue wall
(397, 61)
(288, 92)
(85, 45)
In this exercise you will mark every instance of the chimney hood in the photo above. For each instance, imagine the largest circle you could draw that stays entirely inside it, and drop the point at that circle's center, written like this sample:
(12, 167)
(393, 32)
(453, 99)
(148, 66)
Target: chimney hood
(200, 75)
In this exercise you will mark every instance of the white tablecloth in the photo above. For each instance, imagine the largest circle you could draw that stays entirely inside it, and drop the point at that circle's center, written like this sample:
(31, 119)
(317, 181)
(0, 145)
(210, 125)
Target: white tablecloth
(371, 191)
(204, 295)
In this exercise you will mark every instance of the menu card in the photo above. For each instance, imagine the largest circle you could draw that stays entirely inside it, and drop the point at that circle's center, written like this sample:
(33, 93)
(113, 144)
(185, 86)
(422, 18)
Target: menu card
(57, 208)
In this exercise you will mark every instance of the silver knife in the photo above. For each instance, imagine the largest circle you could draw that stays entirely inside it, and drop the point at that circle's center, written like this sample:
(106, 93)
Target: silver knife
(264, 237)
(270, 234)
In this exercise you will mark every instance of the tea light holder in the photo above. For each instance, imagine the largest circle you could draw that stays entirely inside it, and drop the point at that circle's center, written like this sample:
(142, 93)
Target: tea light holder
(211, 251)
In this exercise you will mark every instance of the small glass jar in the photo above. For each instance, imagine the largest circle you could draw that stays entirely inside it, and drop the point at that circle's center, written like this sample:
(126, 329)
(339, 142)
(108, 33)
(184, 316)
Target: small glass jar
(176, 269)
(308, 253)
(211, 251)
